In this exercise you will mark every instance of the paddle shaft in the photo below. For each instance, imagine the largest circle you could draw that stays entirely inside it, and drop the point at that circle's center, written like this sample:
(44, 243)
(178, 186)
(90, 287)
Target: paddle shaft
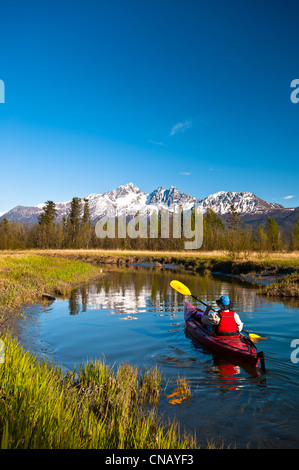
(206, 305)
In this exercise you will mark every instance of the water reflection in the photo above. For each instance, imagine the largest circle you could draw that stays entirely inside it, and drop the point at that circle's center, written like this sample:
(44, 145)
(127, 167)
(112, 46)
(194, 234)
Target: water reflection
(89, 324)
(180, 393)
(230, 374)
(126, 293)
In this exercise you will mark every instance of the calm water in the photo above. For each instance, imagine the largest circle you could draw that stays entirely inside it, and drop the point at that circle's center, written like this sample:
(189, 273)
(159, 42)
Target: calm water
(135, 316)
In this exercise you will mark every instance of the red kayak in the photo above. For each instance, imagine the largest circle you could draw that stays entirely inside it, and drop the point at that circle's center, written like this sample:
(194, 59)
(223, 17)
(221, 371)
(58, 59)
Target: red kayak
(238, 347)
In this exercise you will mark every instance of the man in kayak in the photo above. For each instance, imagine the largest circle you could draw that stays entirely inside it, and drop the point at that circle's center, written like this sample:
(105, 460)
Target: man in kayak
(225, 322)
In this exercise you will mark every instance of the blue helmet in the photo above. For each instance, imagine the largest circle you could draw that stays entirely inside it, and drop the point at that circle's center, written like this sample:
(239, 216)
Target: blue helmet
(224, 301)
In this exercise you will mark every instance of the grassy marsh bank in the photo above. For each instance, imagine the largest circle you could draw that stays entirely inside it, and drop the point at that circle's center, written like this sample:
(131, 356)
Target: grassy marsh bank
(256, 268)
(286, 287)
(196, 260)
(24, 277)
(98, 408)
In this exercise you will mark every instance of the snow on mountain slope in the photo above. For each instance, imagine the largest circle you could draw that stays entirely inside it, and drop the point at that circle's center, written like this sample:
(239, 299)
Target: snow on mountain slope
(125, 199)
(244, 202)
(168, 198)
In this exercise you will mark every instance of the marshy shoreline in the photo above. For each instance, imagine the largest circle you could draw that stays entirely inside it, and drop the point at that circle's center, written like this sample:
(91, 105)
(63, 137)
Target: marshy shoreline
(28, 276)
(275, 274)
(42, 408)
(95, 407)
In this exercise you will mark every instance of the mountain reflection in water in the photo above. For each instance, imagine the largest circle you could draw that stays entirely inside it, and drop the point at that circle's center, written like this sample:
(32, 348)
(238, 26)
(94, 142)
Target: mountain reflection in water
(257, 410)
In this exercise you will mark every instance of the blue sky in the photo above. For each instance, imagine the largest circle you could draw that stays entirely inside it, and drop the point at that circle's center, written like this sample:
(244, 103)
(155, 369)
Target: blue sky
(194, 94)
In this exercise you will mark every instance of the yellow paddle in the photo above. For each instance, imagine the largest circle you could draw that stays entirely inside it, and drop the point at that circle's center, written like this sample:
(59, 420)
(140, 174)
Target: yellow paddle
(182, 289)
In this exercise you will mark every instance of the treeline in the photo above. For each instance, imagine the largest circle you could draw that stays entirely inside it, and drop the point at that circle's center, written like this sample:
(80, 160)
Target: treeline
(76, 231)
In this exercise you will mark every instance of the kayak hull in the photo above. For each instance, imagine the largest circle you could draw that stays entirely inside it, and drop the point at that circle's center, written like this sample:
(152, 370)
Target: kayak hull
(237, 347)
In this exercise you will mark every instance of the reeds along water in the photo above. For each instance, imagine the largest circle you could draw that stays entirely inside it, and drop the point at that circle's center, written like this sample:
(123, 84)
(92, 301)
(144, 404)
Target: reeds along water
(97, 407)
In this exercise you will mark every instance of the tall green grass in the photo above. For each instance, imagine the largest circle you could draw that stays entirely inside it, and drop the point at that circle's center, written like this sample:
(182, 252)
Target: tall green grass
(97, 407)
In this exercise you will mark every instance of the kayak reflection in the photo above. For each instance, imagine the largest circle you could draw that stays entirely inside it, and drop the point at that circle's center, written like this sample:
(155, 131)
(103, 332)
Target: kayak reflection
(228, 374)
(229, 371)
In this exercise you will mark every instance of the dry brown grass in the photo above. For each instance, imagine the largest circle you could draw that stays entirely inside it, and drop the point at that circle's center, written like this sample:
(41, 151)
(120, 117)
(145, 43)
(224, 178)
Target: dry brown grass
(287, 258)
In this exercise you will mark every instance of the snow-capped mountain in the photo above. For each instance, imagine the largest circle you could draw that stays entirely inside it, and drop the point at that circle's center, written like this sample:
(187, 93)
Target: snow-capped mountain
(244, 202)
(168, 198)
(125, 199)
(129, 199)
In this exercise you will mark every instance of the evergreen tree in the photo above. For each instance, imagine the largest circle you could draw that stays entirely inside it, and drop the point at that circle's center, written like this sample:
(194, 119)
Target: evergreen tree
(292, 244)
(48, 215)
(74, 221)
(86, 212)
(46, 222)
(246, 240)
(86, 228)
(296, 234)
(213, 220)
(261, 239)
(4, 234)
(272, 233)
(4, 224)
(212, 230)
(233, 239)
(233, 219)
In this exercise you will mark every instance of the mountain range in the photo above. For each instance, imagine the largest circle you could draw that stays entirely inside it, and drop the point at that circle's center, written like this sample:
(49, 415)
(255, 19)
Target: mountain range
(130, 199)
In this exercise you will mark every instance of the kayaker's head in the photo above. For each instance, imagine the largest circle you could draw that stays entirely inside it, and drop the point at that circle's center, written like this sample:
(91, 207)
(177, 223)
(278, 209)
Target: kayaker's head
(224, 303)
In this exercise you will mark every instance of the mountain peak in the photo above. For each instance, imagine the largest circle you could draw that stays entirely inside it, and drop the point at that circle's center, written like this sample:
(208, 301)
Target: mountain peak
(130, 187)
(130, 199)
(244, 202)
(169, 197)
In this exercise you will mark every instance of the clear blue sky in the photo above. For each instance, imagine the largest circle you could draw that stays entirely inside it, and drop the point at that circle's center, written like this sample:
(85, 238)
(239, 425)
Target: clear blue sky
(194, 94)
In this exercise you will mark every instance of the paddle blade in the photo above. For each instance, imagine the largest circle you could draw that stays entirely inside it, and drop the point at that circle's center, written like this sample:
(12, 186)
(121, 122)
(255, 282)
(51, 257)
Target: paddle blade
(180, 287)
(253, 336)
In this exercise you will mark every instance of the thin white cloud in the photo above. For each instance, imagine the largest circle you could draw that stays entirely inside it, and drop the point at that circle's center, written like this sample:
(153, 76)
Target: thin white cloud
(185, 173)
(288, 197)
(180, 127)
(155, 142)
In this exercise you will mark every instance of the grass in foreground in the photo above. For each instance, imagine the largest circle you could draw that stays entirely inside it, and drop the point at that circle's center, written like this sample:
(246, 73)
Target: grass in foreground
(98, 408)
(25, 277)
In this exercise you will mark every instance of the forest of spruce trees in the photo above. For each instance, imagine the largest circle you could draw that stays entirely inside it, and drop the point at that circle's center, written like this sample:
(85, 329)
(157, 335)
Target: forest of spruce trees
(76, 231)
